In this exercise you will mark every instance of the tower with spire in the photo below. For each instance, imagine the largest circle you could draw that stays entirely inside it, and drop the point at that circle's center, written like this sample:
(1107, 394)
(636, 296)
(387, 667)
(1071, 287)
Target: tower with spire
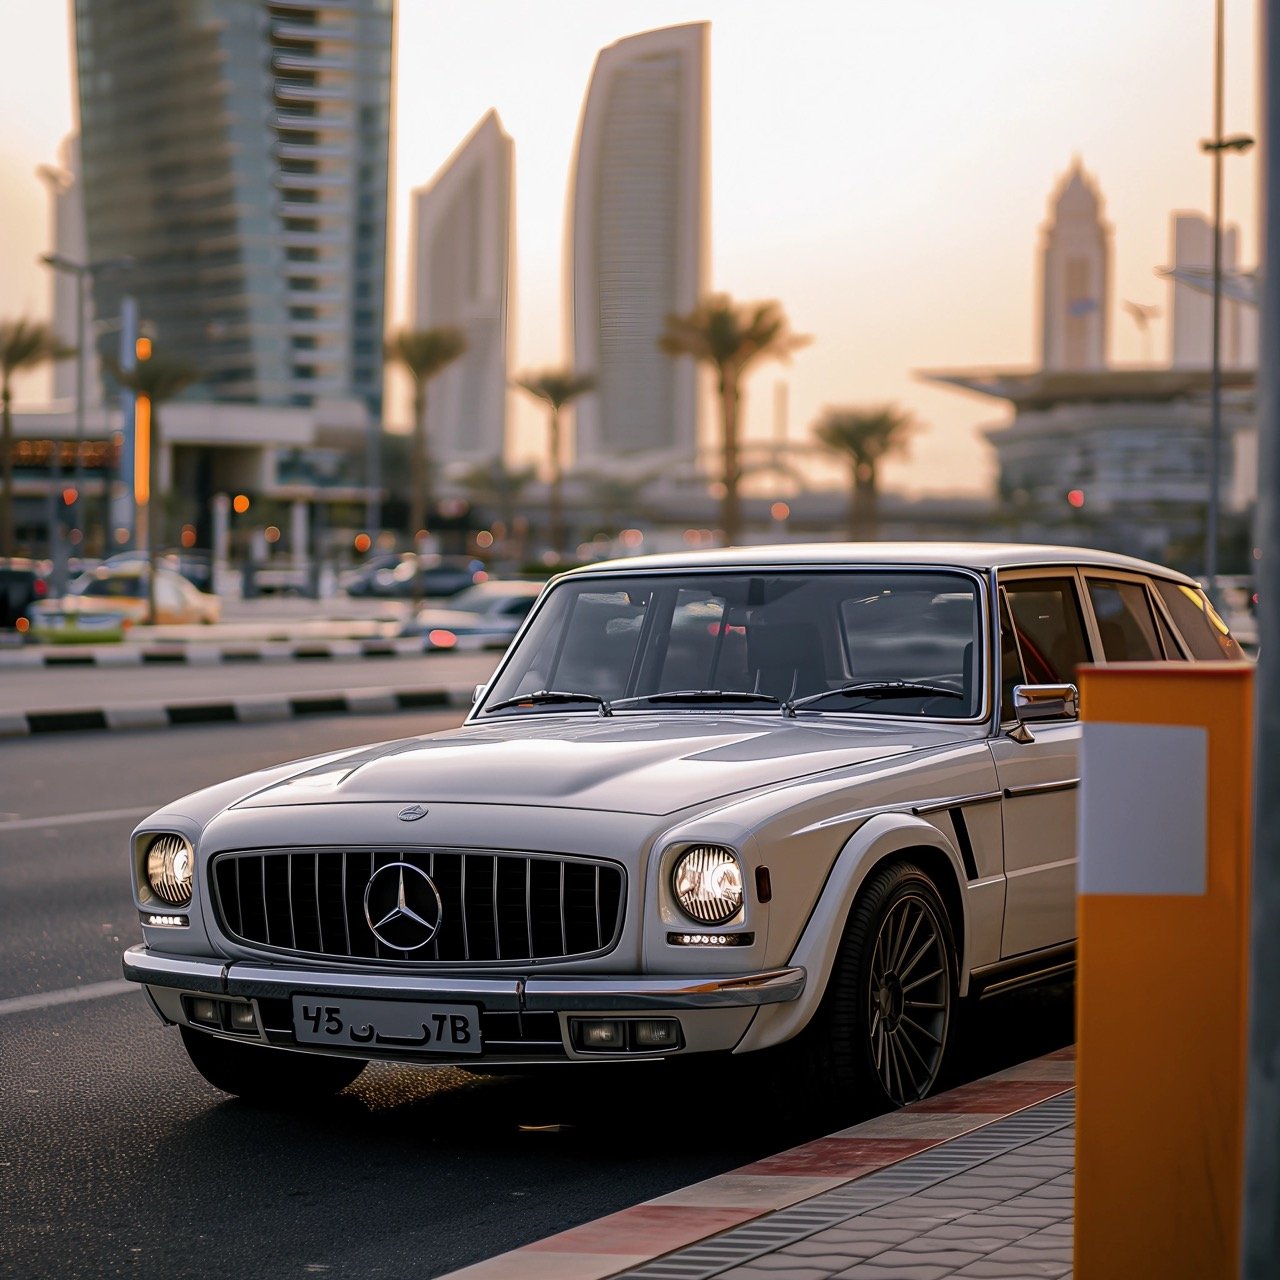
(1075, 252)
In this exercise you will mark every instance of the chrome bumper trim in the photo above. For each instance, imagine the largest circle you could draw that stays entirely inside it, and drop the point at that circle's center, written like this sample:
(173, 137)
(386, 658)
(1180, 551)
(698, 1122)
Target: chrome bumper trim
(539, 994)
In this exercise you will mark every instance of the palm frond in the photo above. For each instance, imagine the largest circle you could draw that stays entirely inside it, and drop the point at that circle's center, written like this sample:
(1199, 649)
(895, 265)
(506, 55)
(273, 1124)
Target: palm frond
(27, 343)
(556, 387)
(425, 352)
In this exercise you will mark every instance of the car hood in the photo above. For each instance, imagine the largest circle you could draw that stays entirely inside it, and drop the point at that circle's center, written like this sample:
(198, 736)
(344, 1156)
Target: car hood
(644, 764)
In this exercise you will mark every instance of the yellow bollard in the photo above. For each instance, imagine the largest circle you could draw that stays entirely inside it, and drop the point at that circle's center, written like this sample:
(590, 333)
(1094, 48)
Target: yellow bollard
(1164, 846)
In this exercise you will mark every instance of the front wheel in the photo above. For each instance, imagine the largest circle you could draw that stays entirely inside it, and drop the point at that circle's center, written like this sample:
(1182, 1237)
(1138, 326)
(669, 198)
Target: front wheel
(891, 1004)
(262, 1074)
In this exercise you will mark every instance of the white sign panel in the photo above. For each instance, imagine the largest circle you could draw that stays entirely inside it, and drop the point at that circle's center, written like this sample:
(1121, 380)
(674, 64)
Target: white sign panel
(1143, 798)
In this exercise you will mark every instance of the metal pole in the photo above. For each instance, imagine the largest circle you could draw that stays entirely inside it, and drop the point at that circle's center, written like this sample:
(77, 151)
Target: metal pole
(1260, 1250)
(1215, 376)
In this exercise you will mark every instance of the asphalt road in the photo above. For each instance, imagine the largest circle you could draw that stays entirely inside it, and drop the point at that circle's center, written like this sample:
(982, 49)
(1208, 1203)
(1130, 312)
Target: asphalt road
(54, 688)
(116, 1159)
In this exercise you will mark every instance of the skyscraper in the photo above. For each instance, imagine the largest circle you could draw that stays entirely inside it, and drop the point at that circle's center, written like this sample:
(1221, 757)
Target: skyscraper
(1076, 276)
(462, 239)
(237, 151)
(1191, 308)
(638, 242)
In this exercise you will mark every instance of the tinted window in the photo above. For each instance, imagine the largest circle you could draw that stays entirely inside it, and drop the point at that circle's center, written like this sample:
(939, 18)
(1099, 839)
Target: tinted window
(1011, 673)
(1125, 624)
(1206, 634)
(1046, 622)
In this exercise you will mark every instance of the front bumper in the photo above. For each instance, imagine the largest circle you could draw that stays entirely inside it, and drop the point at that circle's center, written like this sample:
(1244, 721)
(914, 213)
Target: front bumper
(714, 1011)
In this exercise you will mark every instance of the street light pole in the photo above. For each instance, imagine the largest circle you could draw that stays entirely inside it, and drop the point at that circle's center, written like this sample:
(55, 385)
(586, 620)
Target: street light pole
(1215, 146)
(82, 271)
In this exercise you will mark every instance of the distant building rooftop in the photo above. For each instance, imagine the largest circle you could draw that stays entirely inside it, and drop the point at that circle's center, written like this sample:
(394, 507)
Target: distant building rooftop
(1042, 388)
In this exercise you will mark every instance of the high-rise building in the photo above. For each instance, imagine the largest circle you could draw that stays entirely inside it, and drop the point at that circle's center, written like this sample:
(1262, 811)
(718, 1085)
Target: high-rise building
(1075, 250)
(66, 225)
(638, 242)
(1191, 307)
(462, 250)
(237, 151)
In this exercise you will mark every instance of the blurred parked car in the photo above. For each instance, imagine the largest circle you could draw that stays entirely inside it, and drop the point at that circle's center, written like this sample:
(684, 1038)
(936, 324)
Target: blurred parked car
(484, 616)
(195, 566)
(121, 593)
(440, 576)
(22, 583)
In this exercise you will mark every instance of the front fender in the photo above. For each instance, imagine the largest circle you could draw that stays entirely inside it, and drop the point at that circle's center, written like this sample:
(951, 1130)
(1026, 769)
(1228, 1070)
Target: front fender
(879, 839)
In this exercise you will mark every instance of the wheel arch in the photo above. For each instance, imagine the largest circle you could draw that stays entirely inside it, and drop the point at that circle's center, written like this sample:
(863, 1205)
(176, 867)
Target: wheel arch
(884, 839)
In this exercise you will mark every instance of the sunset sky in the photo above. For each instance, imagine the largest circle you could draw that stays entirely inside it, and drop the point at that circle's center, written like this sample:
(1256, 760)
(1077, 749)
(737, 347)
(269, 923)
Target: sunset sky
(882, 169)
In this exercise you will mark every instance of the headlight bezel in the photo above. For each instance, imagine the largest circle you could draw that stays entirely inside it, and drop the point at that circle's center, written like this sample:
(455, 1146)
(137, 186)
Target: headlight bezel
(723, 902)
(166, 868)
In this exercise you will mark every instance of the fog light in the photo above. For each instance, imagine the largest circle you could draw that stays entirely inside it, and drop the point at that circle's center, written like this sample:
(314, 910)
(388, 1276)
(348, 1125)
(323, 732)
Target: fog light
(243, 1018)
(600, 1034)
(655, 1033)
(204, 1011)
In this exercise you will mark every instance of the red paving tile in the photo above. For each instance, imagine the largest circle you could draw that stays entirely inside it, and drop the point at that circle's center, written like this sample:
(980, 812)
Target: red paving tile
(997, 1097)
(839, 1157)
(648, 1229)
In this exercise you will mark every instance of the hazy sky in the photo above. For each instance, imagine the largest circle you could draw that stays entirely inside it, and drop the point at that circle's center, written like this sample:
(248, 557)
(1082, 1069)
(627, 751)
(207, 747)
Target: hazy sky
(883, 169)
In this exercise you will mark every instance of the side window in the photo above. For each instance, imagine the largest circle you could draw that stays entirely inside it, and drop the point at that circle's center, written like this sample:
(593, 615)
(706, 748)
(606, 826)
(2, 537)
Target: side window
(1125, 624)
(1046, 621)
(1206, 635)
(1172, 650)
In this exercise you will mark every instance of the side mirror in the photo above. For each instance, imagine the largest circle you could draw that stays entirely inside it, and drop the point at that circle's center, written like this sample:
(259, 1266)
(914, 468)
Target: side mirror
(477, 693)
(1032, 702)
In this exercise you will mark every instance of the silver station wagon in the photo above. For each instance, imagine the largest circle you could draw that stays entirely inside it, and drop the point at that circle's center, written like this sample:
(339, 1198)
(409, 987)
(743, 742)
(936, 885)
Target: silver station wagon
(708, 803)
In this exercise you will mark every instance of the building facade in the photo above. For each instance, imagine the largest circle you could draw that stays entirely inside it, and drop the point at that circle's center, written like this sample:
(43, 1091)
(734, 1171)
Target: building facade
(638, 244)
(462, 270)
(1191, 308)
(1075, 264)
(237, 151)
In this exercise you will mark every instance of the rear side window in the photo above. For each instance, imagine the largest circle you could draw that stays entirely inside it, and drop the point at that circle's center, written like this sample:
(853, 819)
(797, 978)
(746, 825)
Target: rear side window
(1047, 626)
(1206, 635)
(1125, 623)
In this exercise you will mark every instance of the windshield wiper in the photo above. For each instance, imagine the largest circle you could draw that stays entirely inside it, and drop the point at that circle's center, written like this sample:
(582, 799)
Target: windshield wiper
(870, 689)
(697, 695)
(546, 696)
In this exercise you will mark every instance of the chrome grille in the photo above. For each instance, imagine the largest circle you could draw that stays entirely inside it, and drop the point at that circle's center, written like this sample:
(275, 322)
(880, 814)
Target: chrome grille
(497, 907)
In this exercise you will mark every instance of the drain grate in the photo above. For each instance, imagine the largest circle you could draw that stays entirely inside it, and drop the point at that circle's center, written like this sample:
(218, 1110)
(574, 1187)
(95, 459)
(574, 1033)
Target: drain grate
(829, 1209)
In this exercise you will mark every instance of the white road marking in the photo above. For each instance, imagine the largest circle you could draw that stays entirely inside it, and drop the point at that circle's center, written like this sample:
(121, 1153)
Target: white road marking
(70, 819)
(70, 995)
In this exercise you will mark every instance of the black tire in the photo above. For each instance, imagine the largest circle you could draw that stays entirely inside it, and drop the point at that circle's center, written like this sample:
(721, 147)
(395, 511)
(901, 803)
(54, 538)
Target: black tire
(889, 1015)
(258, 1073)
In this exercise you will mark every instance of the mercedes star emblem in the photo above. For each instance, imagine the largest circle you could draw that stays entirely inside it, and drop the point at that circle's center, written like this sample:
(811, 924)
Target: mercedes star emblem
(402, 906)
(412, 812)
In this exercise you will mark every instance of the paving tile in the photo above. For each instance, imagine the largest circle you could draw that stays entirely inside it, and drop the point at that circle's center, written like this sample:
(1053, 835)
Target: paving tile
(746, 1191)
(1000, 1098)
(910, 1270)
(847, 1157)
(521, 1264)
(647, 1230)
(917, 1124)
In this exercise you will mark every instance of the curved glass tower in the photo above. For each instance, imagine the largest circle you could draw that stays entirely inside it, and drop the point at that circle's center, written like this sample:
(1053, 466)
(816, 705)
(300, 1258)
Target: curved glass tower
(638, 243)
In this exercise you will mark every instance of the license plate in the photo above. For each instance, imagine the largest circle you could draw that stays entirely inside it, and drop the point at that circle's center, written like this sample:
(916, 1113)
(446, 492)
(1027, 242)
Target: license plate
(404, 1026)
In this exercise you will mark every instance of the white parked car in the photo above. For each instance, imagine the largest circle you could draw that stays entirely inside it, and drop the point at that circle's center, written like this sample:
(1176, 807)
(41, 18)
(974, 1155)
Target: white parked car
(709, 803)
(484, 616)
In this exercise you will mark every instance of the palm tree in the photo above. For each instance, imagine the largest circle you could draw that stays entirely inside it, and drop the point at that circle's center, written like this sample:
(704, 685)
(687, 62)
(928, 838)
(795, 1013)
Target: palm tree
(556, 388)
(423, 353)
(496, 485)
(23, 345)
(617, 499)
(864, 436)
(153, 381)
(729, 336)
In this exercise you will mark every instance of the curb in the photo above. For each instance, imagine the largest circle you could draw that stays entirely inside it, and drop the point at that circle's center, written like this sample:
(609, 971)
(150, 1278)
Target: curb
(623, 1241)
(196, 654)
(256, 709)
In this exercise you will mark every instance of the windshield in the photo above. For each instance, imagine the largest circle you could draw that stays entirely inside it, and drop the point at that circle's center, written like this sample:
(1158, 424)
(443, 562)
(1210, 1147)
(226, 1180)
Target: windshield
(788, 635)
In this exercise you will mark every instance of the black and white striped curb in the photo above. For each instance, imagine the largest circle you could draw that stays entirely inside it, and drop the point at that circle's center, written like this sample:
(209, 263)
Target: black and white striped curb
(256, 709)
(207, 655)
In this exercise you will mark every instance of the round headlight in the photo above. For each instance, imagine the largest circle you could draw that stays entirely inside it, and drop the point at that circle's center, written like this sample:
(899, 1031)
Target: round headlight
(707, 881)
(170, 863)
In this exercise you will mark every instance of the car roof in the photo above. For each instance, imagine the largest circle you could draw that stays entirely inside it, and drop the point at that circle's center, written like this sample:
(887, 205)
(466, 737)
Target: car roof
(983, 556)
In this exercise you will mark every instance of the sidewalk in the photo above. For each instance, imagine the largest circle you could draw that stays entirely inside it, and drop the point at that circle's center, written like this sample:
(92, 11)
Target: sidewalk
(977, 1182)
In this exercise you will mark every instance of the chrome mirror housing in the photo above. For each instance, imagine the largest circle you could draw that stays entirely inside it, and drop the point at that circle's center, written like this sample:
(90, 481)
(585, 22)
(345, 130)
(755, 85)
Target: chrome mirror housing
(1032, 702)
(477, 693)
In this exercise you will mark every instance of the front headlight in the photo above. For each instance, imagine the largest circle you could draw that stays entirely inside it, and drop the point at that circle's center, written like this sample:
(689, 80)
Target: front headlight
(707, 882)
(170, 863)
